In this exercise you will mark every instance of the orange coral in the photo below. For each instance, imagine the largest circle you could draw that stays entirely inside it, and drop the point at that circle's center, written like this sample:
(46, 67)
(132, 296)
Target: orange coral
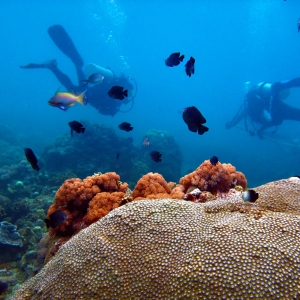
(86, 201)
(101, 205)
(208, 177)
(154, 186)
(177, 192)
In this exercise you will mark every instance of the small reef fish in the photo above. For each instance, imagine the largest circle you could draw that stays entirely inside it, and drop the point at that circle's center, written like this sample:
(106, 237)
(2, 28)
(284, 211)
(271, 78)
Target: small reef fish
(146, 141)
(298, 25)
(94, 79)
(56, 218)
(190, 67)
(64, 100)
(194, 120)
(76, 126)
(156, 156)
(117, 92)
(125, 126)
(3, 287)
(174, 59)
(214, 160)
(250, 195)
(31, 158)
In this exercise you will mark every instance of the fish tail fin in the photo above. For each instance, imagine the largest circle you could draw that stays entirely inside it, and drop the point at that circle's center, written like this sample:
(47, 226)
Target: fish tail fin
(57, 91)
(202, 129)
(125, 93)
(181, 58)
(82, 130)
(80, 98)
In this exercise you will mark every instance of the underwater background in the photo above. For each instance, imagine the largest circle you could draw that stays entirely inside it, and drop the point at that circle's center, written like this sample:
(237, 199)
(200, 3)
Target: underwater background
(236, 44)
(233, 42)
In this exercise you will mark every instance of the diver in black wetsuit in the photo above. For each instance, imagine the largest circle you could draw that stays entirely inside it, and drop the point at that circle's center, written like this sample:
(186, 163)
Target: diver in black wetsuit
(264, 107)
(96, 95)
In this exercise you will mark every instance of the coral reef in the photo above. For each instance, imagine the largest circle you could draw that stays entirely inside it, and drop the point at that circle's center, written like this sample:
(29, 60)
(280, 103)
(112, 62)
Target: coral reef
(11, 151)
(62, 156)
(9, 235)
(210, 178)
(57, 179)
(165, 143)
(10, 174)
(20, 180)
(154, 186)
(178, 249)
(86, 201)
(10, 242)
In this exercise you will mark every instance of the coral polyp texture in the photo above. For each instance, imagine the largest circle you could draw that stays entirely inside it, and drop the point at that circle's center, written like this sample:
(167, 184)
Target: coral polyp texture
(214, 178)
(86, 201)
(175, 249)
(282, 195)
(154, 186)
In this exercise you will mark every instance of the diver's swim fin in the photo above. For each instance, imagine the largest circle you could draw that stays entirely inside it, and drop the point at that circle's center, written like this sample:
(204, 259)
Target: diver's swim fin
(50, 64)
(63, 41)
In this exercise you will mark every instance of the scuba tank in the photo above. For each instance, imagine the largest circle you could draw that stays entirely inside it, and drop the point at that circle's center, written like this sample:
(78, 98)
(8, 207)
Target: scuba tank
(90, 69)
(263, 89)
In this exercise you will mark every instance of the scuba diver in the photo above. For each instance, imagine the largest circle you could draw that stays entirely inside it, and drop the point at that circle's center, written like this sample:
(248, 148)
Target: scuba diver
(263, 107)
(96, 94)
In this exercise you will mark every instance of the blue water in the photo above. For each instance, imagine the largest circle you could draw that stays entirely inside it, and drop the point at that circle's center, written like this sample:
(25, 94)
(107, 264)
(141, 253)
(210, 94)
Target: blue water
(232, 41)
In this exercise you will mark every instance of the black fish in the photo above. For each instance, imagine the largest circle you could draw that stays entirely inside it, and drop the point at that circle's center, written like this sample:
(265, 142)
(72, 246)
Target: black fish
(214, 160)
(190, 67)
(156, 156)
(77, 127)
(118, 155)
(55, 219)
(31, 158)
(174, 59)
(3, 287)
(194, 120)
(125, 126)
(116, 92)
(250, 195)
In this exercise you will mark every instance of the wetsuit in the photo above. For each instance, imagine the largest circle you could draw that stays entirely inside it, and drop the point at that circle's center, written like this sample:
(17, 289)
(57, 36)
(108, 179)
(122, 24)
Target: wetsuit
(258, 103)
(96, 95)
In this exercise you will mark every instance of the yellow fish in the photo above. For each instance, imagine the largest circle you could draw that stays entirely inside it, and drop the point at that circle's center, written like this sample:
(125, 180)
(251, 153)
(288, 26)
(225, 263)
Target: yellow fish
(64, 100)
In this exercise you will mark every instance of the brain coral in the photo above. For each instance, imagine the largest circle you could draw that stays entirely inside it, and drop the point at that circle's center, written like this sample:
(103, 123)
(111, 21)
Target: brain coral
(282, 195)
(174, 249)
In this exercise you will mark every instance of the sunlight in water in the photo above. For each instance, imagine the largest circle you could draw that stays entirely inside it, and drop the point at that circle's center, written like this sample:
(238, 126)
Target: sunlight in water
(111, 19)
